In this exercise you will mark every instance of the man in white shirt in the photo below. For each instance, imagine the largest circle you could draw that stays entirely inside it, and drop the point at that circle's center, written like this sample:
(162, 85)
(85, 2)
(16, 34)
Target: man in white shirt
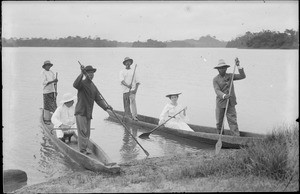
(130, 83)
(49, 92)
(64, 117)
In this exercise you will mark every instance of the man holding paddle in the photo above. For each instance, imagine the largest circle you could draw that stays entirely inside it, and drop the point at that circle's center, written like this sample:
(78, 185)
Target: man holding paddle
(87, 95)
(130, 83)
(223, 83)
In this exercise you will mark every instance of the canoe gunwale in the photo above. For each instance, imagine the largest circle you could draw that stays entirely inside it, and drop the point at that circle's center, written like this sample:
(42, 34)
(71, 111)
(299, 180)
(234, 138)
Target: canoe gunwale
(205, 137)
(86, 161)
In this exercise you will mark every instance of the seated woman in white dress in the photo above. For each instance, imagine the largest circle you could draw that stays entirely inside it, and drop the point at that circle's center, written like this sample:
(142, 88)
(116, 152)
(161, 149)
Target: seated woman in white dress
(179, 122)
(64, 118)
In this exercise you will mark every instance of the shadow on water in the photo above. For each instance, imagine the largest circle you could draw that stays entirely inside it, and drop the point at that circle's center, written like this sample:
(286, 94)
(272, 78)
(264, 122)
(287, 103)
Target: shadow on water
(129, 150)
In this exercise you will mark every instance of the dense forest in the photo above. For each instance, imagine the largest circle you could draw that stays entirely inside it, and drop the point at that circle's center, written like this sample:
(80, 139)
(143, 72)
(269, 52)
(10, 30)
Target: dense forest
(267, 39)
(63, 42)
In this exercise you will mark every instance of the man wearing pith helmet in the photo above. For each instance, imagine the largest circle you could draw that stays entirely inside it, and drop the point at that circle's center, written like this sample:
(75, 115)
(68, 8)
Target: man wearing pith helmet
(130, 83)
(221, 85)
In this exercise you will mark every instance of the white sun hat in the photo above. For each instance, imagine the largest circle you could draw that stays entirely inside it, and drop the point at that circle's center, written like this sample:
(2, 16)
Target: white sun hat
(67, 97)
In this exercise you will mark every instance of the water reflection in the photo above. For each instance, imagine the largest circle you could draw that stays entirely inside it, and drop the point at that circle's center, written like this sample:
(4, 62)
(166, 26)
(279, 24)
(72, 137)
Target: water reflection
(129, 150)
(51, 162)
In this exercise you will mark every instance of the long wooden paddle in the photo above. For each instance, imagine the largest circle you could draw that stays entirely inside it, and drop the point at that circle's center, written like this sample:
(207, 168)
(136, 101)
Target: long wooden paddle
(146, 135)
(219, 143)
(130, 85)
(55, 86)
(117, 116)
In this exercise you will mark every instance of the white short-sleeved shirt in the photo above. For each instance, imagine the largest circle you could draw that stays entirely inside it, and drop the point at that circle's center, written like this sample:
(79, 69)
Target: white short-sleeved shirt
(48, 76)
(126, 75)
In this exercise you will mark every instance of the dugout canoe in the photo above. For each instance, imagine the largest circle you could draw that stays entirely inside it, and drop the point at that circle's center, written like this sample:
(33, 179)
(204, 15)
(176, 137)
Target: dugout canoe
(202, 134)
(97, 161)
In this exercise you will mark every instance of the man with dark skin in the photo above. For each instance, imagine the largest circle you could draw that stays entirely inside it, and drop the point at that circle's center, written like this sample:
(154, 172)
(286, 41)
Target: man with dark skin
(87, 95)
(49, 93)
(221, 85)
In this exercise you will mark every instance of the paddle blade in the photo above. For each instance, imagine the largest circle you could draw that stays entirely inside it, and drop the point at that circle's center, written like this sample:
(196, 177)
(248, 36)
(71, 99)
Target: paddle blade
(144, 136)
(218, 146)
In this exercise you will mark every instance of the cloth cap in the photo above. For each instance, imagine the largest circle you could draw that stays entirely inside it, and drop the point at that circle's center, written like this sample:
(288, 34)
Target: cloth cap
(90, 68)
(221, 64)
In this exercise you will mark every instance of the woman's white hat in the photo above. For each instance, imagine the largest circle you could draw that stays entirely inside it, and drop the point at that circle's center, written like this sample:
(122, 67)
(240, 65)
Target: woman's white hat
(173, 94)
(68, 97)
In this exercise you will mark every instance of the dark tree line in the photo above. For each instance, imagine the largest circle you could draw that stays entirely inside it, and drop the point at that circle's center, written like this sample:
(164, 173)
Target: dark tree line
(149, 43)
(289, 39)
(266, 39)
(62, 42)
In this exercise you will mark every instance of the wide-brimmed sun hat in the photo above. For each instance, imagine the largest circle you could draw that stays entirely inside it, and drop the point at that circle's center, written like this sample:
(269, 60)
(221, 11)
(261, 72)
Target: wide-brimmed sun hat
(67, 98)
(173, 94)
(47, 63)
(221, 64)
(127, 59)
(90, 68)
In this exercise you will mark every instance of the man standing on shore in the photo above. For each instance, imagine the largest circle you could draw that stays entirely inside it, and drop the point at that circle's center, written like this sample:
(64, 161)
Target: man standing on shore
(221, 85)
(130, 83)
(87, 94)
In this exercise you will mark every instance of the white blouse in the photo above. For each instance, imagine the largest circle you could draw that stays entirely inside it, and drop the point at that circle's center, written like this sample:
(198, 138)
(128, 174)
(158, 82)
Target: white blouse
(170, 110)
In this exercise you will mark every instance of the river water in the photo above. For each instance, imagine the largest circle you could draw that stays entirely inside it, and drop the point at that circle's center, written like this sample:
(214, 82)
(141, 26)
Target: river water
(267, 98)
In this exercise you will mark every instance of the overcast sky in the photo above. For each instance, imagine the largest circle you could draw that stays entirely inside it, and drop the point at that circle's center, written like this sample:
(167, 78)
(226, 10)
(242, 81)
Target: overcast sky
(158, 20)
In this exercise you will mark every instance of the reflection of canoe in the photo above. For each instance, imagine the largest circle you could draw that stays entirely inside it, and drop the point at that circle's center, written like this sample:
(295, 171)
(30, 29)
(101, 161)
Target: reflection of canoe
(97, 161)
(202, 133)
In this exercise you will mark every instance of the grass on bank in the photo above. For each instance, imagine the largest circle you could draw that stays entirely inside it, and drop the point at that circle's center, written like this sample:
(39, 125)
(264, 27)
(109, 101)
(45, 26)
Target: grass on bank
(267, 166)
(277, 157)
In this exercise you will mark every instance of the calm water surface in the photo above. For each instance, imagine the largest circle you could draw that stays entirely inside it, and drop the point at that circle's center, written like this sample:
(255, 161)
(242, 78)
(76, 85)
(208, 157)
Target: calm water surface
(266, 98)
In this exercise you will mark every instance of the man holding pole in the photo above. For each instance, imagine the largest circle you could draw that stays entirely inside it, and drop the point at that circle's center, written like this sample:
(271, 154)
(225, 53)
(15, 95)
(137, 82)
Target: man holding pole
(222, 83)
(130, 83)
(49, 82)
(87, 95)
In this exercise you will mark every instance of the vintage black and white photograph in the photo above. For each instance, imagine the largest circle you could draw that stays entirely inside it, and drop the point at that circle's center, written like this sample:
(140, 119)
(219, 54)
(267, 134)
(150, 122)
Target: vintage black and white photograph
(150, 96)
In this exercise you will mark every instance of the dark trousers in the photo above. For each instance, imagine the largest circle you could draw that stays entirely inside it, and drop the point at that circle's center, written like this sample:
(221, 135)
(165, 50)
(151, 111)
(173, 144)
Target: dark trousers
(231, 118)
(126, 103)
(84, 132)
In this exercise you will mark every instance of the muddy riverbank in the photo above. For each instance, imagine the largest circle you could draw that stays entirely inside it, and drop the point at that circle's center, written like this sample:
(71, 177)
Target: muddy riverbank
(163, 174)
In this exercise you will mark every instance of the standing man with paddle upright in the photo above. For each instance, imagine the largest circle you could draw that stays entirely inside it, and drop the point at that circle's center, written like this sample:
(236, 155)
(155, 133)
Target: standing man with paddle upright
(87, 95)
(130, 83)
(222, 83)
(49, 91)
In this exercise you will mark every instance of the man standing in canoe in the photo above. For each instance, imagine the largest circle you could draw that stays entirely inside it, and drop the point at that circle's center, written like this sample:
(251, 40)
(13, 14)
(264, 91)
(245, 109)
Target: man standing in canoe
(221, 85)
(49, 93)
(86, 96)
(130, 83)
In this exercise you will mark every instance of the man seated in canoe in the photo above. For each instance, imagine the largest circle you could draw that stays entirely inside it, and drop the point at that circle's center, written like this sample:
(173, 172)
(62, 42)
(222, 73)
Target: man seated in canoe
(179, 122)
(63, 118)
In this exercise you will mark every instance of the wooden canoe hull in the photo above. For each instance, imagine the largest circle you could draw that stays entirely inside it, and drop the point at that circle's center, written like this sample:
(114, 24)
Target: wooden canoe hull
(94, 162)
(203, 134)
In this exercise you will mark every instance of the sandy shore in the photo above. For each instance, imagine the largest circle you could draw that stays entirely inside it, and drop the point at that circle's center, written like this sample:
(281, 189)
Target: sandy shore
(160, 174)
